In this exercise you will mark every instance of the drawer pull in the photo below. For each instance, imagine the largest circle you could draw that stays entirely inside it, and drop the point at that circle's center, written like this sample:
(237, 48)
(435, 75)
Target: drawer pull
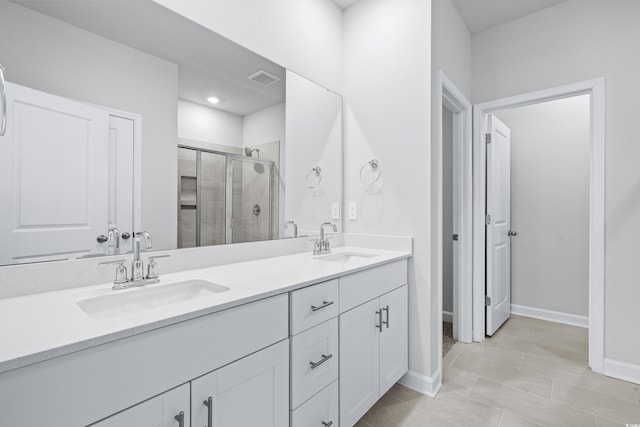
(209, 404)
(325, 304)
(180, 419)
(325, 357)
(386, 322)
(379, 313)
(327, 424)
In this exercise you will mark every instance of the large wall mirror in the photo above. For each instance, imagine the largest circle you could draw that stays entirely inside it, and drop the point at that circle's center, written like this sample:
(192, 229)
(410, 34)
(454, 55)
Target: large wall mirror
(123, 116)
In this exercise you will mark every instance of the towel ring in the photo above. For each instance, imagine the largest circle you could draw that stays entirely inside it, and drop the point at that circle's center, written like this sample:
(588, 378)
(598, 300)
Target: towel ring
(314, 177)
(370, 172)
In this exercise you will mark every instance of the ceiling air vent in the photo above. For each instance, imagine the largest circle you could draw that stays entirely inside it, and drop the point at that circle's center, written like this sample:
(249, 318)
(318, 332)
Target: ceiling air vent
(264, 78)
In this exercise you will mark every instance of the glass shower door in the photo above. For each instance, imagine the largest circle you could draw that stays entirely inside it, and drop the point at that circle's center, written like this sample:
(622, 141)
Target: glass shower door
(250, 194)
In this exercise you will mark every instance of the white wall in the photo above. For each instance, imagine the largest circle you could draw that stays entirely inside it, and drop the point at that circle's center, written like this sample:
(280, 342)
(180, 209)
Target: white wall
(447, 210)
(201, 123)
(387, 89)
(301, 35)
(314, 138)
(451, 53)
(266, 125)
(550, 204)
(55, 57)
(573, 41)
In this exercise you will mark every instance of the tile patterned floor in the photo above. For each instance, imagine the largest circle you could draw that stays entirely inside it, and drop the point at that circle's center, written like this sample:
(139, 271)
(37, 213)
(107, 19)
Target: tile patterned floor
(530, 373)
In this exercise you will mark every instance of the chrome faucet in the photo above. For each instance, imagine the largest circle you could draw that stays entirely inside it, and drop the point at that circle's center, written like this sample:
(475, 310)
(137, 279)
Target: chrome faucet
(138, 278)
(322, 245)
(137, 266)
(295, 227)
(113, 239)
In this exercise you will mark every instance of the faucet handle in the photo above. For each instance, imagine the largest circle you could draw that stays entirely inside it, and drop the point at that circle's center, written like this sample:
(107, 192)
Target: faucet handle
(152, 266)
(121, 272)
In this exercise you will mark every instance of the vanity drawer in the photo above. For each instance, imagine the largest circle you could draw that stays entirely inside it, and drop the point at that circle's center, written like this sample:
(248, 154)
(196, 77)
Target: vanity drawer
(314, 361)
(321, 410)
(358, 288)
(313, 305)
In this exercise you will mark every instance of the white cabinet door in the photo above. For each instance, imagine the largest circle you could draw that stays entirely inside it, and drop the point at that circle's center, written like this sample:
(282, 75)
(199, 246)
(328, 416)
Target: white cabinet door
(170, 409)
(359, 361)
(319, 411)
(314, 361)
(394, 359)
(253, 391)
(54, 176)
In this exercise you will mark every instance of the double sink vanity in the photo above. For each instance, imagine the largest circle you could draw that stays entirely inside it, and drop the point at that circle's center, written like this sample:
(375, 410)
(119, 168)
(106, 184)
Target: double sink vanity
(297, 340)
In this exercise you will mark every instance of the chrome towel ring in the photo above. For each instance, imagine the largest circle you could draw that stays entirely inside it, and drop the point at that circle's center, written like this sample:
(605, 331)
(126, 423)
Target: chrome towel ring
(370, 172)
(314, 177)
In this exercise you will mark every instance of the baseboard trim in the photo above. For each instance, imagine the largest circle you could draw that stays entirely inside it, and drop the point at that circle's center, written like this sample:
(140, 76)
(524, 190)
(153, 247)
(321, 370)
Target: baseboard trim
(551, 316)
(429, 386)
(622, 370)
(447, 316)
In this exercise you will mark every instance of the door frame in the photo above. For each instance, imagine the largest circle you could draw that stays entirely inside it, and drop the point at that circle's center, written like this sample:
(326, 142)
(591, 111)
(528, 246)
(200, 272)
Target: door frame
(137, 159)
(595, 88)
(450, 96)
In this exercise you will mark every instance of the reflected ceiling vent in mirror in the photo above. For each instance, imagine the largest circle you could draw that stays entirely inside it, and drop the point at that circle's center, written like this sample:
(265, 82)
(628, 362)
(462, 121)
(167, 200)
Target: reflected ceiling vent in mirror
(264, 78)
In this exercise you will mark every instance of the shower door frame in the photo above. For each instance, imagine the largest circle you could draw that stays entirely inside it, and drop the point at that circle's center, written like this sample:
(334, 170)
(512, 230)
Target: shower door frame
(228, 189)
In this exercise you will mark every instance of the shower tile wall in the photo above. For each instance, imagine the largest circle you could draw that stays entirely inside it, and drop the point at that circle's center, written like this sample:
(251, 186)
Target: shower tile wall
(186, 210)
(251, 187)
(213, 192)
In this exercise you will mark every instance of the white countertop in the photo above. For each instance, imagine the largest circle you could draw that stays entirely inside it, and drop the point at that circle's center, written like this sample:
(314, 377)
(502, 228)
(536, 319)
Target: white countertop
(39, 327)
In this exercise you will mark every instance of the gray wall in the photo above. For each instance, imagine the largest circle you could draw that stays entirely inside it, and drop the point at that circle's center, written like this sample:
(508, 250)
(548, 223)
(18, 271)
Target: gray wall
(54, 57)
(550, 204)
(573, 41)
(447, 210)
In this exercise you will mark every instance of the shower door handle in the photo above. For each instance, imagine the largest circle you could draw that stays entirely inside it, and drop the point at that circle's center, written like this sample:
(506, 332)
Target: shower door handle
(3, 103)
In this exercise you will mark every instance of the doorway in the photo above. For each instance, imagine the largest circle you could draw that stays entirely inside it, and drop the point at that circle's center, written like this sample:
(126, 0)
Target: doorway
(483, 271)
(454, 159)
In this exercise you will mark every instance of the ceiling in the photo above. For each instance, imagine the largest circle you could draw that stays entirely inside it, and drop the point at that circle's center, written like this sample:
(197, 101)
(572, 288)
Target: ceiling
(343, 4)
(208, 64)
(480, 15)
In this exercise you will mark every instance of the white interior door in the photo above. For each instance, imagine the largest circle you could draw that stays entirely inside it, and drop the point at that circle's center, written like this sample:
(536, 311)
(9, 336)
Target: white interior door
(498, 263)
(54, 176)
(121, 168)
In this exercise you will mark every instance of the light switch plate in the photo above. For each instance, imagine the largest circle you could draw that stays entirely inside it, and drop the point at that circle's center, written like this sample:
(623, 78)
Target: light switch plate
(335, 211)
(353, 211)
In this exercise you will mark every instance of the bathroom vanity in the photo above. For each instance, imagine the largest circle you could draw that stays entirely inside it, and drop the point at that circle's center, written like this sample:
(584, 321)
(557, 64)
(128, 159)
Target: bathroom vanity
(292, 340)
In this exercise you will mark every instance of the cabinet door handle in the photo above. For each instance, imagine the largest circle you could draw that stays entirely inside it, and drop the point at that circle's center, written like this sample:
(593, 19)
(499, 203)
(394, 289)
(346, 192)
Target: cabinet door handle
(325, 357)
(327, 424)
(325, 304)
(379, 326)
(209, 404)
(180, 419)
(386, 322)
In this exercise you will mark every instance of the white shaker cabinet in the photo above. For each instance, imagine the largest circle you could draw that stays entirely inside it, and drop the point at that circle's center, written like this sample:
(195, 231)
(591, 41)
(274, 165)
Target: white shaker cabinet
(250, 392)
(359, 362)
(170, 409)
(373, 337)
(394, 345)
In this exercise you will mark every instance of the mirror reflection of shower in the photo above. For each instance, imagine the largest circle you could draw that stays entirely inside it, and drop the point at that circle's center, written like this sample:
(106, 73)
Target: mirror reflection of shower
(248, 151)
(227, 197)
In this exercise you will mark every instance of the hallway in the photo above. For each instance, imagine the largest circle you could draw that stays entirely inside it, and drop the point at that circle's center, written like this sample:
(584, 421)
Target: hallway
(530, 373)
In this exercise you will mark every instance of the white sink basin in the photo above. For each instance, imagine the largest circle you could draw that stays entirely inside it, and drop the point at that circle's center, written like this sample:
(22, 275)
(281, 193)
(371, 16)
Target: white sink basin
(120, 303)
(345, 256)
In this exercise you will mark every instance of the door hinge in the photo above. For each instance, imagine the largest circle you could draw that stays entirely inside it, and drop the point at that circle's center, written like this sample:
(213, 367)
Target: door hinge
(455, 237)
(487, 300)
(487, 138)
(488, 219)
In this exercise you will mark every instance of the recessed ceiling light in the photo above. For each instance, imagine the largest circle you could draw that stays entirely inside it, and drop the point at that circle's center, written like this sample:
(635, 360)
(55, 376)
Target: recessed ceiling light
(213, 100)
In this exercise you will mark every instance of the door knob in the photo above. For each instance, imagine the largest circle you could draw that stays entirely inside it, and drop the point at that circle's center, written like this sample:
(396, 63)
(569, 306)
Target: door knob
(512, 233)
